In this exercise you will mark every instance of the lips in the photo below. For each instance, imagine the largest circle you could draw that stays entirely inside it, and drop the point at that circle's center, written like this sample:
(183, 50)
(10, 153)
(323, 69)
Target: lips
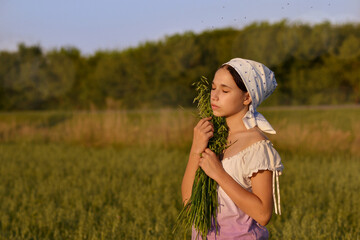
(213, 106)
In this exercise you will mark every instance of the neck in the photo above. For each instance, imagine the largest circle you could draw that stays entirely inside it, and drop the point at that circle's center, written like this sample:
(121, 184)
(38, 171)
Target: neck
(235, 122)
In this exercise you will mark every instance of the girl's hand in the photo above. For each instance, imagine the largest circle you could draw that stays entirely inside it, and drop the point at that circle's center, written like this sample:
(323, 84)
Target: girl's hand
(203, 131)
(211, 164)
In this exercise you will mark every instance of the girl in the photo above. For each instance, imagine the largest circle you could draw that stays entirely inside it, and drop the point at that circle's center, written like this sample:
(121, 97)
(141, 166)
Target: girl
(247, 170)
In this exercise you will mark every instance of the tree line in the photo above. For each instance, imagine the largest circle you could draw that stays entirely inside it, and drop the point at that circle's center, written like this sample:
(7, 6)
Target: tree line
(313, 65)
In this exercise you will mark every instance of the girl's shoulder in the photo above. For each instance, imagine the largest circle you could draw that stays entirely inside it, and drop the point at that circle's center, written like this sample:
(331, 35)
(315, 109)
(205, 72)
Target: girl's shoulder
(252, 137)
(245, 142)
(255, 136)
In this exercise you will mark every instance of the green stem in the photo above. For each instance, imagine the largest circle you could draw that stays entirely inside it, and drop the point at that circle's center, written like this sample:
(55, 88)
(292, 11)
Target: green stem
(200, 210)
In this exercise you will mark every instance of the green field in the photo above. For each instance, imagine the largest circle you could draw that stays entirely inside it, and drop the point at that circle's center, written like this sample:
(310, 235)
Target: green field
(96, 185)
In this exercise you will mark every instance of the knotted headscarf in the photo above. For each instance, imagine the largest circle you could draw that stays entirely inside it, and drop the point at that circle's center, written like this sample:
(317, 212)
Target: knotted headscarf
(260, 82)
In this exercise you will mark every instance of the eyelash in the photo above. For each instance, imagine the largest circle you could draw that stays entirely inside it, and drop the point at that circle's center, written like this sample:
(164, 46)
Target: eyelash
(222, 91)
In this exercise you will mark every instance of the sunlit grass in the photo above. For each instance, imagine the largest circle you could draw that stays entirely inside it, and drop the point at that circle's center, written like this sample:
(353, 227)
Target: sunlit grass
(320, 198)
(56, 191)
(117, 175)
(62, 192)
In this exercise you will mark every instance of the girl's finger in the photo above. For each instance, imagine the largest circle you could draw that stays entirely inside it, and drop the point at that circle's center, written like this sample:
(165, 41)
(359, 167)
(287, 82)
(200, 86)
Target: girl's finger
(201, 121)
(206, 125)
(210, 134)
(208, 129)
(207, 151)
(204, 120)
(201, 160)
(204, 155)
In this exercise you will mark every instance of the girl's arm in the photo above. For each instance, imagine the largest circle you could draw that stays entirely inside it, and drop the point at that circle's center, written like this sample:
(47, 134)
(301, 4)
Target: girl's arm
(203, 131)
(258, 203)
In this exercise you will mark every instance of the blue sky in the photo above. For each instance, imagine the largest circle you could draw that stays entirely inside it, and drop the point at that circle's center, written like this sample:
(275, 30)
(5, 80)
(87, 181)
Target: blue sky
(91, 25)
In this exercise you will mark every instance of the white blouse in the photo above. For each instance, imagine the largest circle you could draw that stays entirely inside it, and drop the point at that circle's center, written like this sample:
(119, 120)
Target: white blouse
(259, 156)
(233, 223)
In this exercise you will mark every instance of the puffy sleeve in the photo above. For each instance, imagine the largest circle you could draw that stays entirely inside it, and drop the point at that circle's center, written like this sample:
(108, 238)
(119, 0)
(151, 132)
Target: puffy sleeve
(263, 156)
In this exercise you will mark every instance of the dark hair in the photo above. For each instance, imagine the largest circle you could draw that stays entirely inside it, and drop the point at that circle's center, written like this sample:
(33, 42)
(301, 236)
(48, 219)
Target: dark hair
(238, 80)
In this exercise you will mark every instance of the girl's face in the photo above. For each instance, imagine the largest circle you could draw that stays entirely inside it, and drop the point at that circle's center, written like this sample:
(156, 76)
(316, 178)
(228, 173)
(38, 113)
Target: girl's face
(227, 98)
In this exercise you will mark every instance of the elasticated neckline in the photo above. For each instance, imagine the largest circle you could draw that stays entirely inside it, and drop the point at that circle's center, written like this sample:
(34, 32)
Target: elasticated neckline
(246, 149)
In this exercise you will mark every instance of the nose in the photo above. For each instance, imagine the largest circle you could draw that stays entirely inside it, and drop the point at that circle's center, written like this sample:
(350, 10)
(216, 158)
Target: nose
(214, 95)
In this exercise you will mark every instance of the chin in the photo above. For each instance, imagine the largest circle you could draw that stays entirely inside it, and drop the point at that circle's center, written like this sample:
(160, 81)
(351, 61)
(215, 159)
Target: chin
(217, 114)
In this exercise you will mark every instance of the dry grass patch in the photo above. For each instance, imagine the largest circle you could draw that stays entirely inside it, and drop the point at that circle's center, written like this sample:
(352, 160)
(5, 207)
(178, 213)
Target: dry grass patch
(308, 130)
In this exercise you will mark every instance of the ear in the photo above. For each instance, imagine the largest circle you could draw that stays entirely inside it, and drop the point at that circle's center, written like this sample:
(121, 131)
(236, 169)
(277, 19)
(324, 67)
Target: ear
(247, 99)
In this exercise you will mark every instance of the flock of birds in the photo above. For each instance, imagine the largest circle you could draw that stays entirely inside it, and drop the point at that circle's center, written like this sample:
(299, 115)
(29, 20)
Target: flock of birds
(288, 4)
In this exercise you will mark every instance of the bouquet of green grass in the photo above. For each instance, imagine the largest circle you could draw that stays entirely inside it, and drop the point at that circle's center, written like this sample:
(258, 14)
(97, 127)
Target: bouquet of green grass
(200, 210)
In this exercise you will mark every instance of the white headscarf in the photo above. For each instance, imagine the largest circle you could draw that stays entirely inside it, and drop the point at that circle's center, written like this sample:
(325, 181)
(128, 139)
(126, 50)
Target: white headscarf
(260, 82)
